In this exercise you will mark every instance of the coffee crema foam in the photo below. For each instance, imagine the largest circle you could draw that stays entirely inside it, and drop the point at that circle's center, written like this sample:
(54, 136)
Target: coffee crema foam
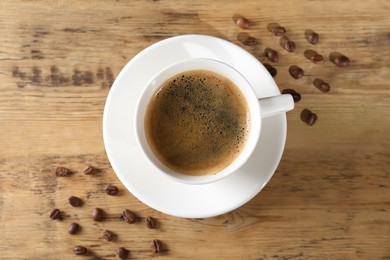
(197, 122)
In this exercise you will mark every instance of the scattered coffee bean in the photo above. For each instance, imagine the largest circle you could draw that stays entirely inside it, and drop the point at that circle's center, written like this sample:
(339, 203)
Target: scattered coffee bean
(314, 56)
(111, 190)
(296, 72)
(80, 250)
(122, 253)
(276, 29)
(89, 170)
(62, 172)
(151, 222)
(97, 214)
(340, 60)
(73, 228)
(287, 44)
(321, 85)
(75, 201)
(157, 246)
(246, 39)
(108, 235)
(271, 54)
(308, 117)
(311, 36)
(241, 21)
(272, 70)
(129, 216)
(55, 214)
(296, 96)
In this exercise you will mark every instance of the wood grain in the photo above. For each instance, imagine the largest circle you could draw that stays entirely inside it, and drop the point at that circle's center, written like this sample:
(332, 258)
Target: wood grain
(329, 198)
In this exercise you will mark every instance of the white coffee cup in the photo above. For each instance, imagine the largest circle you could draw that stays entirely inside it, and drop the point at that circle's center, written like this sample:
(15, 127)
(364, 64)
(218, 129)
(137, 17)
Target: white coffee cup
(258, 108)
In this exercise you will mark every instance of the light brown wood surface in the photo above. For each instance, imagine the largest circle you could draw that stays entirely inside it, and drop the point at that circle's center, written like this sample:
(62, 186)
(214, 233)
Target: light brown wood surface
(329, 198)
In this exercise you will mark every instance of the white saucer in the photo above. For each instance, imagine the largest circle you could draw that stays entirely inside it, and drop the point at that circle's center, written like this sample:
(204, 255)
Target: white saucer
(163, 193)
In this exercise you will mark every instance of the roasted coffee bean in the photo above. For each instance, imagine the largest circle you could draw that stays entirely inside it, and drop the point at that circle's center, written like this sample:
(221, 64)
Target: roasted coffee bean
(272, 70)
(55, 214)
(62, 172)
(241, 21)
(311, 36)
(73, 228)
(111, 190)
(250, 41)
(279, 31)
(89, 170)
(287, 44)
(157, 246)
(246, 39)
(75, 201)
(321, 85)
(276, 29)
(340, 60)
(296, 72)
(80, 250)
(314, 56)
(151, 222)
(290, 46)
(129, 216)
(122, 253)
(271, 54)
(296, 96)
(97, 214)
(108, 235)
(308, 117)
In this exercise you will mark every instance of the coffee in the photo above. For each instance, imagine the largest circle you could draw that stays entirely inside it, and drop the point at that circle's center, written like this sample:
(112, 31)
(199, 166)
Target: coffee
(197, 122)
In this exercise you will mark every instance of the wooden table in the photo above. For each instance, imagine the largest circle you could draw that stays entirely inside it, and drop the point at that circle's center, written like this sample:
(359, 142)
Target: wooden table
(329, 198)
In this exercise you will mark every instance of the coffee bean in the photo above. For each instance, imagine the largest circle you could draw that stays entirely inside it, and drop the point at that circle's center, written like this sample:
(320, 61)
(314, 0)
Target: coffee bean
(340, 60)
(246, 39)
(122, 253)
(296, 72)
(241, 21)
(311, 36)
(279, 31)
(89, 170)
(321, 85)
(151, 222)
(111, 190)
(157, 246)
(73, 228)
(287, 44)
(75, 201)
(62, 172)
(272, 70)
(55, 214)
(108, 235)
(276, 29)
(129, 216)
(290, 46)
(314, 56)
(308, 117)
(80, 250)
(97, 214)
(271, 54)
(296, 96)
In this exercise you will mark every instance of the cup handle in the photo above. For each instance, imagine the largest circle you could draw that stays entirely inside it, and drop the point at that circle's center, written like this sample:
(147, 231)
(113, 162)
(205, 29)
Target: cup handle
(271, 106)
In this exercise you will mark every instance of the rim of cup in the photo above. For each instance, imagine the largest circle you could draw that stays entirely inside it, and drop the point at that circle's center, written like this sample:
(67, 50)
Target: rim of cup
(226, 71)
